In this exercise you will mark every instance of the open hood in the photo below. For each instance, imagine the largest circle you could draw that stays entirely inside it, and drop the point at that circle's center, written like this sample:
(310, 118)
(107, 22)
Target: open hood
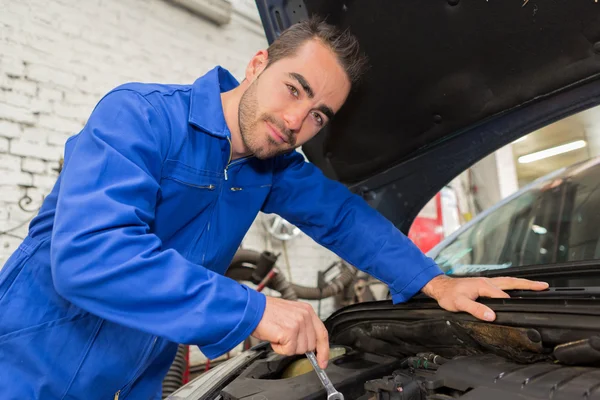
(442, 68)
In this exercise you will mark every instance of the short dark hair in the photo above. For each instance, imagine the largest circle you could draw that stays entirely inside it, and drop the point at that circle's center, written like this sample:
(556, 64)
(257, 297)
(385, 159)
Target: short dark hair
(343, 44)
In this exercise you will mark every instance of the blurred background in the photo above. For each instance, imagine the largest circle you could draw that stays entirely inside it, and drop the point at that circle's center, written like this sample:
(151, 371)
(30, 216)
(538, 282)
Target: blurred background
(497, 176)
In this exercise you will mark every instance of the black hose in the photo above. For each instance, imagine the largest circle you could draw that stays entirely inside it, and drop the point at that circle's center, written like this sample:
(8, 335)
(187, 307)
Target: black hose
(245, 272)
(244, 265)
(283, 286)
(334, 287)
(174, 378)
(244, 256)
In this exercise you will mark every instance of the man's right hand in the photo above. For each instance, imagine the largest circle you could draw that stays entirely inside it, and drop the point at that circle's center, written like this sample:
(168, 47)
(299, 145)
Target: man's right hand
(293, 327)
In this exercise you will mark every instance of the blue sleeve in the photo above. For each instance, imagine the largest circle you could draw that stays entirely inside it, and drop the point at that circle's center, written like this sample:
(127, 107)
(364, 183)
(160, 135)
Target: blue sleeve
(105, 258)
(344, 223)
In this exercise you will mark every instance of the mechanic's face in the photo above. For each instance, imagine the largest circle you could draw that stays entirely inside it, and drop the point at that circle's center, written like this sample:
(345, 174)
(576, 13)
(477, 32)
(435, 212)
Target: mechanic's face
(289, 102)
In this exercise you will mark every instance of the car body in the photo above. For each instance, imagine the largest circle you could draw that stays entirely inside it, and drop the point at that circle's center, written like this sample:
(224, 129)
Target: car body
(450, 82)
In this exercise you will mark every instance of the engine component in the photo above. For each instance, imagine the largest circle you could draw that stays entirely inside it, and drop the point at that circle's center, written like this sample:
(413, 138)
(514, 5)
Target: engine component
(494, 378)
(365, 376)
(244, 267)
(347, 373)
(399, 386)
(246, 264)
(580, 352)
(302, 366)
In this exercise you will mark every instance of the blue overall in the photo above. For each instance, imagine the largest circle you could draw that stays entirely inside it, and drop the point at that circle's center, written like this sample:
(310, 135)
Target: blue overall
(127, 255)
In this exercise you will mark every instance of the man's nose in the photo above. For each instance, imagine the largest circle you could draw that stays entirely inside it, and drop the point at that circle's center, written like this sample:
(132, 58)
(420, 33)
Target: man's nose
(294, 118)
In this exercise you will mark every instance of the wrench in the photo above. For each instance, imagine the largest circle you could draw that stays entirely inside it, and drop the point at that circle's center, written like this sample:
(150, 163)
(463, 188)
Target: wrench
(332, 394)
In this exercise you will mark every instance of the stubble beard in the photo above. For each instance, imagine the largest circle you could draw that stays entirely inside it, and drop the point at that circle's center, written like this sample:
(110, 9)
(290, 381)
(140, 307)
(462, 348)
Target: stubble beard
(251, 131)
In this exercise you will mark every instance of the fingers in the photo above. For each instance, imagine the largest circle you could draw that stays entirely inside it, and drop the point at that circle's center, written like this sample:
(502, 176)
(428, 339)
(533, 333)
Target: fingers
(460, 294)
(487, 289)
(477, 310)
(311, 332)
(306, 332)
(322, 345)
(293, 328)
(508, 283)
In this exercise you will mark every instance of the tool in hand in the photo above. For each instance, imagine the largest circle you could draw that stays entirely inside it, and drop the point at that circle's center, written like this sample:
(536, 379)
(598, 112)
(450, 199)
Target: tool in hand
(332, 394)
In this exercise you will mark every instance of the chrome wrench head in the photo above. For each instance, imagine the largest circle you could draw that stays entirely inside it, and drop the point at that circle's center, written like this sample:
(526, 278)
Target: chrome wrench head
(335, 396)
(332, 393)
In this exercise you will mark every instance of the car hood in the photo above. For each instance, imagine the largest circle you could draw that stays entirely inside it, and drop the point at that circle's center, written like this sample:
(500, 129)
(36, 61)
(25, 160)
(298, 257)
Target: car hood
(438, 69)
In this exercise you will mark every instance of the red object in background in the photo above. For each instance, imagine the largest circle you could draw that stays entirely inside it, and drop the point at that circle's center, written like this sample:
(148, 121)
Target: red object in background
(186, 373)
(438, 219)
(428, 228)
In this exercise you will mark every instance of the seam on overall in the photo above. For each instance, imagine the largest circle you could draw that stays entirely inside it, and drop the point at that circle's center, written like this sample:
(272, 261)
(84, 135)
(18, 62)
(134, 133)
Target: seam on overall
(28, 252)
(85, 353)
(39, 327)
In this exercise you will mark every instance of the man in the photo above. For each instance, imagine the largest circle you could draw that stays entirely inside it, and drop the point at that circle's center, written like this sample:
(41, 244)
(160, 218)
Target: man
(127, 255)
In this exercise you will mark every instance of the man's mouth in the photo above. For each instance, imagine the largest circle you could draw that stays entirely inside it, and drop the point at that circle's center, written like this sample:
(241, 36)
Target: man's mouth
(278, 136)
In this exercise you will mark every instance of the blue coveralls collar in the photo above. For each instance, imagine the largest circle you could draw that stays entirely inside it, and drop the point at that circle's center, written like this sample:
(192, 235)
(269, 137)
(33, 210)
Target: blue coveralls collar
(206, 109)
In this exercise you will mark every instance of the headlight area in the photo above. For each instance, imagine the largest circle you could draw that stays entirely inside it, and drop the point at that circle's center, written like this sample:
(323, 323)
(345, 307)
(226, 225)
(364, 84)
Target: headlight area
(208, 385)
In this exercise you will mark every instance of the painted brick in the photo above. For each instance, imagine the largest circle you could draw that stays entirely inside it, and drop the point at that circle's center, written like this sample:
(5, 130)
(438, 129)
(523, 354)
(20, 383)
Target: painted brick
(43, 182)
(60, 124)
(4, 217)
(33, 165)
(50, 94)
(37, 196)
(4, 145)
(9, 129)
(24, 86)
(76, 112)
(18, 178)
(45, 152)
(17, 114)
(78, 98)
(11, 194)
(52, 168)
(11, 163)
(35, 135)
(40, 106)
(20, 100)
(5, 85)
(45, 74)
(58, 138)
(12, 66)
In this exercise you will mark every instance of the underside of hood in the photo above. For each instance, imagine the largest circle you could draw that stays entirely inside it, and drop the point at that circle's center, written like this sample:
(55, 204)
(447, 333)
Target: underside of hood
(439, 68)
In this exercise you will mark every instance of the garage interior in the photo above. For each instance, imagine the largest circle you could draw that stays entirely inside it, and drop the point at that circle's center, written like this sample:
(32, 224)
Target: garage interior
(53, 70)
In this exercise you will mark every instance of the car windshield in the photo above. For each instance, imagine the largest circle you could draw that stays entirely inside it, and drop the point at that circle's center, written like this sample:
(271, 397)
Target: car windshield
(531, 208)
(554, 220)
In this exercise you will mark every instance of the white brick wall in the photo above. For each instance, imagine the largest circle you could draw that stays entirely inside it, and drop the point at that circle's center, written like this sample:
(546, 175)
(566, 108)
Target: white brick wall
(59, 57)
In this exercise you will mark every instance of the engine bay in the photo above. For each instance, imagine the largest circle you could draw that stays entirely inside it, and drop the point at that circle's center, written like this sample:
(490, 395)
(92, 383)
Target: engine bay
(424, 376)
(536, 349)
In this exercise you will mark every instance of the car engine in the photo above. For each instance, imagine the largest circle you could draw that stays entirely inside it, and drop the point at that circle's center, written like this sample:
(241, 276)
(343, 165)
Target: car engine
(425, 376)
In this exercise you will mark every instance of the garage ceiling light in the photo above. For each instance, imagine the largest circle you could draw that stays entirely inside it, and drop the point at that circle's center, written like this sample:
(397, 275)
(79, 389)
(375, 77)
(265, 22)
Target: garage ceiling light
(552, 151)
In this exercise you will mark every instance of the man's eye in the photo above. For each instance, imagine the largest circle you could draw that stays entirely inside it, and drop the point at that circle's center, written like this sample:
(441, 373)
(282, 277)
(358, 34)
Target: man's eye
(293, 90)
(318, 118)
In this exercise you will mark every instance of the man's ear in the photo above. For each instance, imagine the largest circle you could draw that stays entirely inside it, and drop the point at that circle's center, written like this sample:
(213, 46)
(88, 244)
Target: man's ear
(257, 64)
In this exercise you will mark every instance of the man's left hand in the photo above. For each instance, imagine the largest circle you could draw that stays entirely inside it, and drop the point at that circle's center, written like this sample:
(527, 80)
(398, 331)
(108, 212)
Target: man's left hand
(459, 294)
